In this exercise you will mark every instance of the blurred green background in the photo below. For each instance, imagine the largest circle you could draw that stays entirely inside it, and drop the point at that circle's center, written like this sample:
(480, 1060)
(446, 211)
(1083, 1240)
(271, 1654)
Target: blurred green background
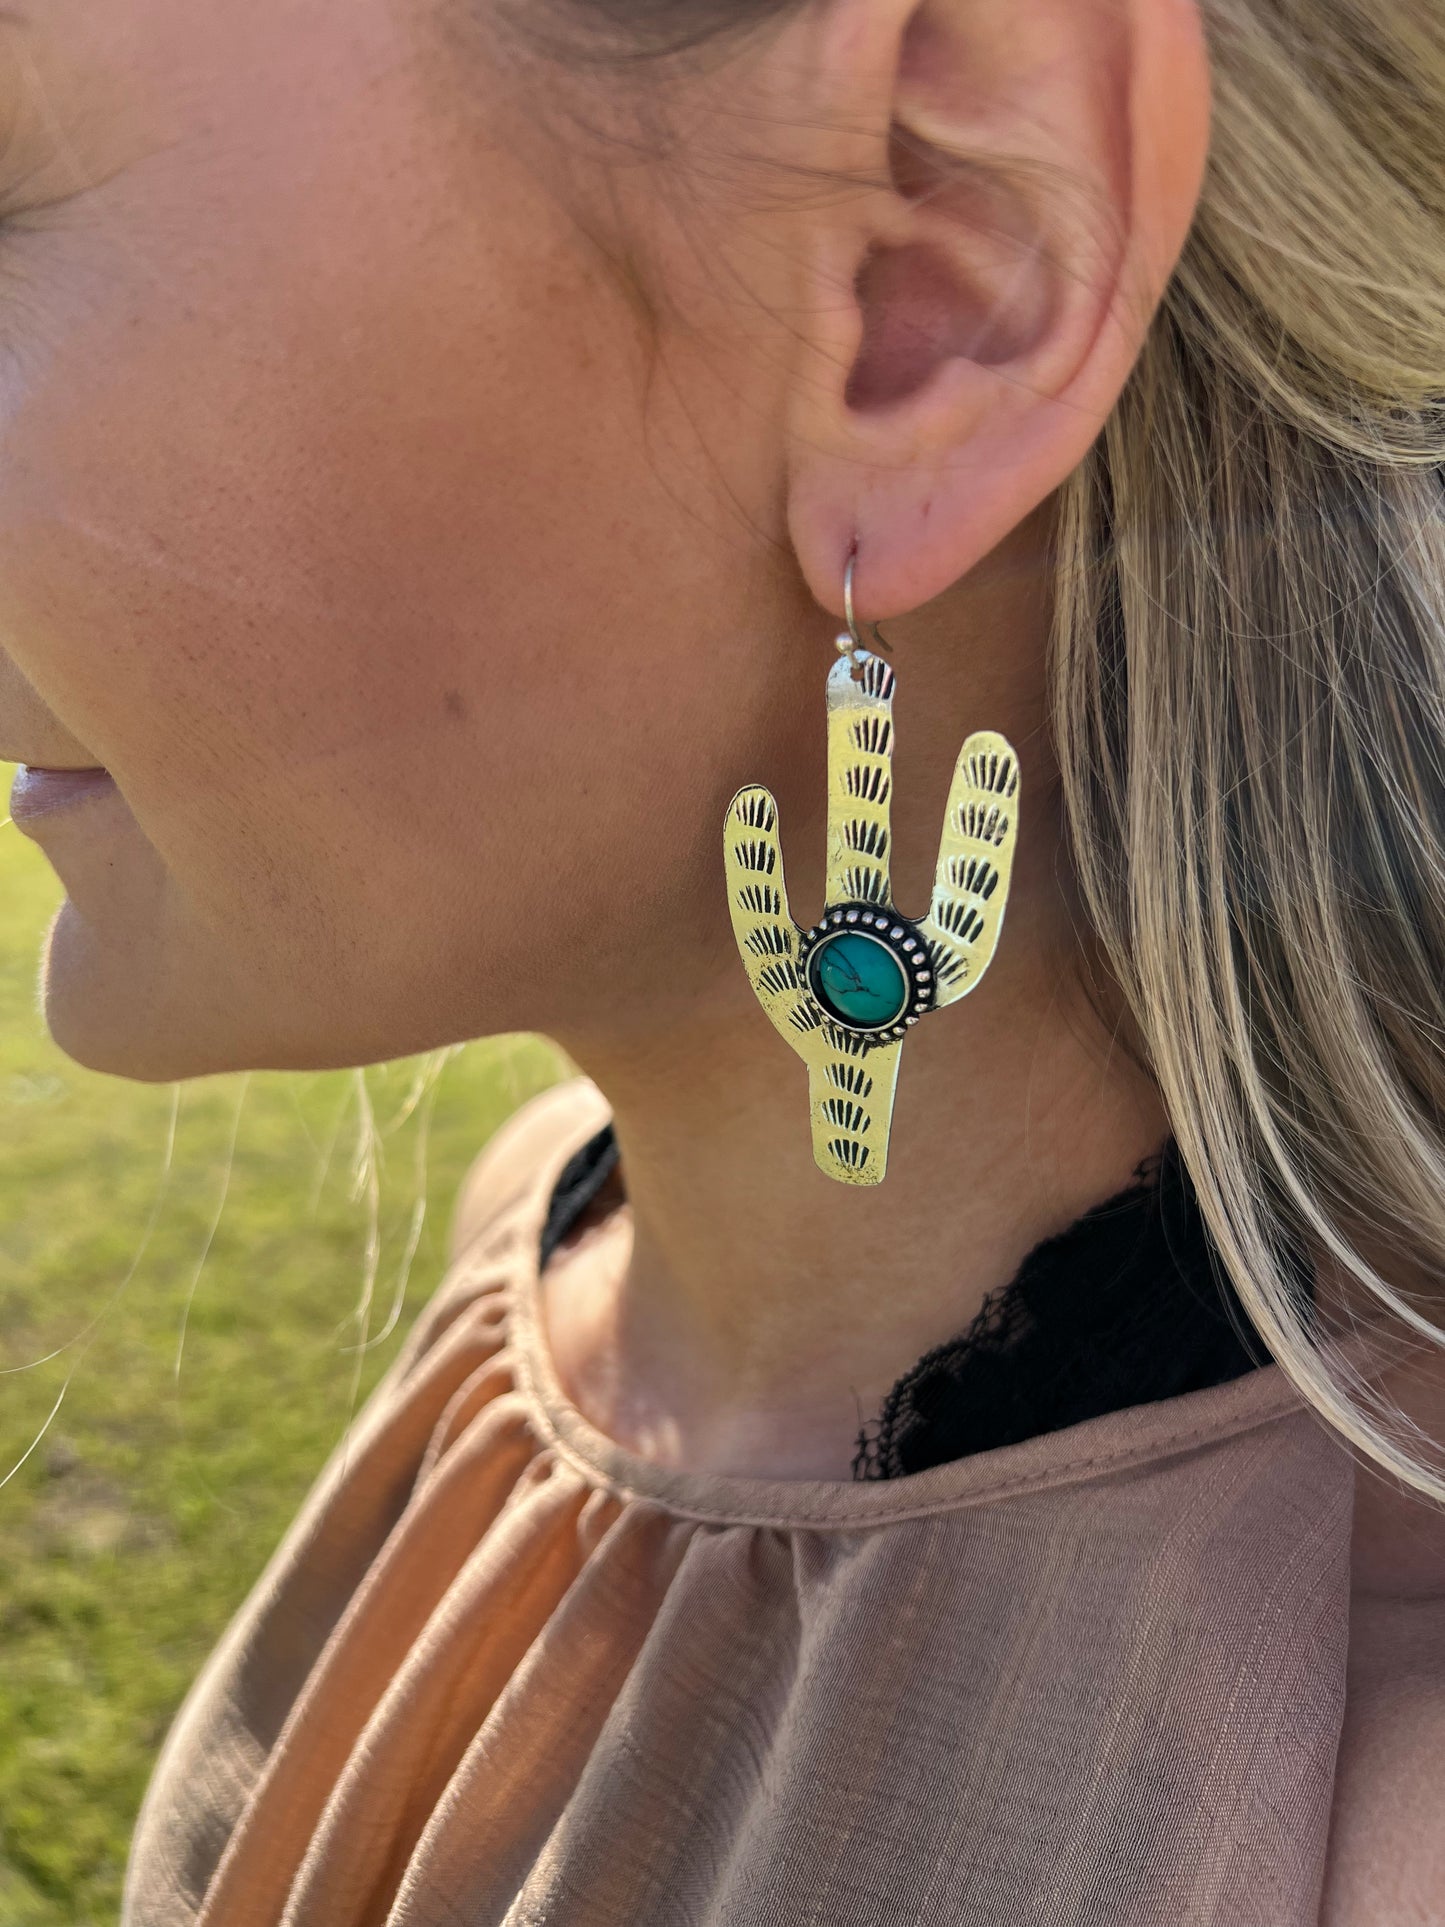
(161, 1473)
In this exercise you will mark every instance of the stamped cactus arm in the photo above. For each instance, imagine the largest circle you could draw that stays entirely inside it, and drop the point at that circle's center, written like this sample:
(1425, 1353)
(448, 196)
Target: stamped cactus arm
(850, 1096)
(767, 937)
(975, 865)
(860, 780)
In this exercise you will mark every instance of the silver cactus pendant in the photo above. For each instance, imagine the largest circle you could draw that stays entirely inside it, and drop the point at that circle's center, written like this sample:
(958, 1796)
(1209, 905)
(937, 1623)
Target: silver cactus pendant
(846, 993)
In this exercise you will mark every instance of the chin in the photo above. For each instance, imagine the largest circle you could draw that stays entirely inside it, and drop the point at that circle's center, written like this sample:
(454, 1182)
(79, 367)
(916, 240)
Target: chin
(119, 1001)
(113, 1007)
(99, 1012)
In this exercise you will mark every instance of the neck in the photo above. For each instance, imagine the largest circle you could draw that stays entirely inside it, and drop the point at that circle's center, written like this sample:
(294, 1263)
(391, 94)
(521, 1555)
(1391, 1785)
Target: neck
(764, 1312)
(761, 1311)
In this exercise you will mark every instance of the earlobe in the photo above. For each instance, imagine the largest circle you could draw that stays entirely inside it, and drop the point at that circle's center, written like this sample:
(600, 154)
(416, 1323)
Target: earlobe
(1042, 165)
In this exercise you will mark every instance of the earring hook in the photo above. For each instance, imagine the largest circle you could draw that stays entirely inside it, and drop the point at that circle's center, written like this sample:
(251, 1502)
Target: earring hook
(852, 645)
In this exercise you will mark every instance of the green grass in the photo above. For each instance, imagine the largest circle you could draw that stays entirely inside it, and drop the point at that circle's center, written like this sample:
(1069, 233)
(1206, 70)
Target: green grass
(158, 1489)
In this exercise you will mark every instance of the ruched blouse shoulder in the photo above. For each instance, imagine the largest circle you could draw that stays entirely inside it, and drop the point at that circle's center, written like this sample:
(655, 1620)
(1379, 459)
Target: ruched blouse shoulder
(503, 1671)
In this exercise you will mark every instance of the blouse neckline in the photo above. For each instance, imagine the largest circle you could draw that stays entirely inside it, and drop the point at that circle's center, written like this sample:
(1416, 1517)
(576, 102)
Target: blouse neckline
(1093, 1449)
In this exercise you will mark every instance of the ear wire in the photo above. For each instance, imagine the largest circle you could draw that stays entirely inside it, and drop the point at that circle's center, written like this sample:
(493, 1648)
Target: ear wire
(852, 644)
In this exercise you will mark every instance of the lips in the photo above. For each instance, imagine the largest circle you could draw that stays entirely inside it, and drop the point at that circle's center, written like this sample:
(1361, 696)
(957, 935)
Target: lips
(38, 792)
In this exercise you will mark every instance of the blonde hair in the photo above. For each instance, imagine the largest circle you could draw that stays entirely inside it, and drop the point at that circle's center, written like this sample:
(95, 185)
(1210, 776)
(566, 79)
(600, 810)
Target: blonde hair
(1249, 683)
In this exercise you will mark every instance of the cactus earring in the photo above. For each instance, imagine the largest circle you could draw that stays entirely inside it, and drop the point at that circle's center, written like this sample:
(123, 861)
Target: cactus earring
(846, 993)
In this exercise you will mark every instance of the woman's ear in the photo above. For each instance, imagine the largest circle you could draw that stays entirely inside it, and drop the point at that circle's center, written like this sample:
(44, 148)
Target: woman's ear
(1028, 173)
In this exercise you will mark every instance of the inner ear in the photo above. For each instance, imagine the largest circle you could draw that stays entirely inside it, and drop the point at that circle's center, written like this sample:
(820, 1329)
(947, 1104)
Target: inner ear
(968, 279)
(921, 311)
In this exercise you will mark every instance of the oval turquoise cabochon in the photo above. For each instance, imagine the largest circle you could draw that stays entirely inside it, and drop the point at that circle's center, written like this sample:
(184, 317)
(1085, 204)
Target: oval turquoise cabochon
(858, 980)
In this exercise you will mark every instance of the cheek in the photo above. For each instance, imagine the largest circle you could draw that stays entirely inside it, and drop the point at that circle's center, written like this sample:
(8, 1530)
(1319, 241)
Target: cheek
(360, 573)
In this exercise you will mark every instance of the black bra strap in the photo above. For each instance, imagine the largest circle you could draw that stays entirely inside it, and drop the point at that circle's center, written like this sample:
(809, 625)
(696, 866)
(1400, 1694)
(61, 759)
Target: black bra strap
(583, 1176)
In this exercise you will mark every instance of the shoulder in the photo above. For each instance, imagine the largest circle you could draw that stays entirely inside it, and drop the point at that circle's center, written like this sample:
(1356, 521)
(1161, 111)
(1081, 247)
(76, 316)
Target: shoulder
(520, 1162)
(1386, 1864)
(1386, 1861)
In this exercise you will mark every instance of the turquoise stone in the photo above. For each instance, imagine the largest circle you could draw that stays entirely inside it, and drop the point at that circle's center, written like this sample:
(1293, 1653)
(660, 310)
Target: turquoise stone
(858, 980)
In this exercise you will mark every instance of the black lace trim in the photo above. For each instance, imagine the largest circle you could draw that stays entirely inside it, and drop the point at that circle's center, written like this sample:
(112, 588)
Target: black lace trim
(1128, 1306)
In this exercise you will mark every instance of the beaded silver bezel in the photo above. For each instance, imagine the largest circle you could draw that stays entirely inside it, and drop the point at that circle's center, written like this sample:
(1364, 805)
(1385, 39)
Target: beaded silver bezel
(901, 938)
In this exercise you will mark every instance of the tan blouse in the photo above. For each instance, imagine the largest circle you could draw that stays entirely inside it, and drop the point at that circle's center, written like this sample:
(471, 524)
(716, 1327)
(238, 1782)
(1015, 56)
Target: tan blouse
(502, 1671)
